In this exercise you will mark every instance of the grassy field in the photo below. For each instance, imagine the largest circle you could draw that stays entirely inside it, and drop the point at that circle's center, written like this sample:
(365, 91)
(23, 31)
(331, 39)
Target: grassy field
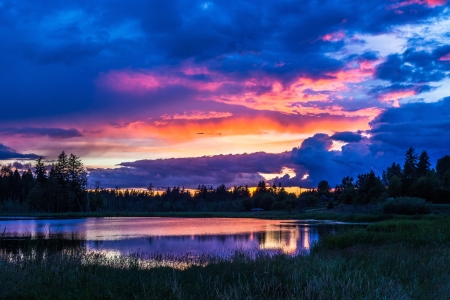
(403, 258)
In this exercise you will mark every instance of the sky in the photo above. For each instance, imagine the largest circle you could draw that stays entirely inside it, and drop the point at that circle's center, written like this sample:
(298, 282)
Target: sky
(178, 92)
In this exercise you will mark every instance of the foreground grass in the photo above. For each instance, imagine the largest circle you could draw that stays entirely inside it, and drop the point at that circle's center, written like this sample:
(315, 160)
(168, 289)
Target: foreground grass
(394, 259)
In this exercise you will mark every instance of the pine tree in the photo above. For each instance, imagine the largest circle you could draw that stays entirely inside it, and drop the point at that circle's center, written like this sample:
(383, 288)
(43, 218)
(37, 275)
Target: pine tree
(40, 172)
(393, 170)
(423, 167)
(409, 171)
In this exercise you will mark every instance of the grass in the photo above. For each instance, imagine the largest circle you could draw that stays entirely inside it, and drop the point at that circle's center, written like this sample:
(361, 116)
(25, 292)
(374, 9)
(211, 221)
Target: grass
(402, 258)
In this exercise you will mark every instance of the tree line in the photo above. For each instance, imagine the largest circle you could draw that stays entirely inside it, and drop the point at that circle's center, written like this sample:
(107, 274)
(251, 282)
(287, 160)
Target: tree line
(62, 187)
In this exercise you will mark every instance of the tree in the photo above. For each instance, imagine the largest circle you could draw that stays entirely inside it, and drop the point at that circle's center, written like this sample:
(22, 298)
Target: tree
(260, 188)
(347, 192)
(150, 189)
(393, 170)
(369, 187)
(442, 166)
(39, 171)
(395, 187)
(423, 166)
(323, 186)
(409, 172)
(77, 181)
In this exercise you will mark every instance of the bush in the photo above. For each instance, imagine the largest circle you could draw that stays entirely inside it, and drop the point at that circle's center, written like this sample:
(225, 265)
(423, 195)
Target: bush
(309, 200)
(330, 205)
(407, 206)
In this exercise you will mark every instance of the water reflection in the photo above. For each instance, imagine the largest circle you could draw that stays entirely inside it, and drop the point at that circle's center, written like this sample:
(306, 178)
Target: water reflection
(178, 235)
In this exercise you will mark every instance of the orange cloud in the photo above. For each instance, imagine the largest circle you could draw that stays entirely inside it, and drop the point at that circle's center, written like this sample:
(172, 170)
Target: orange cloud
(184, 129)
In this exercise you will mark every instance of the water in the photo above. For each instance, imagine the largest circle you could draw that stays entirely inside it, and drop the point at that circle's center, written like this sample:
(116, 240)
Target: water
(180, 236)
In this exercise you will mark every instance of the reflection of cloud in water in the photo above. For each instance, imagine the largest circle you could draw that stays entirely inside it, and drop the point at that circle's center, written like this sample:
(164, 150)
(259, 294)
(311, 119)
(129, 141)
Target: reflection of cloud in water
(181, 235)
(287, 240)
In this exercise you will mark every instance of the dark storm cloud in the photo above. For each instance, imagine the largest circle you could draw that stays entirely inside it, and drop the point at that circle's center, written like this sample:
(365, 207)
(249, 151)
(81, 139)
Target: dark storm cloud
(414, 66)
(398, 87)
(29, 132)
(423, 126)
(418, 125)
(347, 136)
(9, 153)
(56, 49)
(240, 169)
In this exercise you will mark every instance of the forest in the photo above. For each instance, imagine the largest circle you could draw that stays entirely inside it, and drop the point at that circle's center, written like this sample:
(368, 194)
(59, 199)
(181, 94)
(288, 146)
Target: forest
(62, 187)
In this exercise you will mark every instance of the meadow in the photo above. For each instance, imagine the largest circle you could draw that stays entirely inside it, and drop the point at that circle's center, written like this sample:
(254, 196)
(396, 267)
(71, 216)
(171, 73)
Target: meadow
(400, 258)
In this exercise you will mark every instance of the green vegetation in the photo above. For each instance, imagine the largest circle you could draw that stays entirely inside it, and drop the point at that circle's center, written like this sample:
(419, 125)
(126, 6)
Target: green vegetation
(403, 258)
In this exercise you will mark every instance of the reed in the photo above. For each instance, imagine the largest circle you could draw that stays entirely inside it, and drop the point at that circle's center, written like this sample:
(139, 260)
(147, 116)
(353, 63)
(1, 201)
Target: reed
(394, 259)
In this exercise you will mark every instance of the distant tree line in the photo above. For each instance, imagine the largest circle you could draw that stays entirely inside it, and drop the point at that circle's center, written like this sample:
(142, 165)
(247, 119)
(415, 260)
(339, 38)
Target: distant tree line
(62, 187)
(415, 179)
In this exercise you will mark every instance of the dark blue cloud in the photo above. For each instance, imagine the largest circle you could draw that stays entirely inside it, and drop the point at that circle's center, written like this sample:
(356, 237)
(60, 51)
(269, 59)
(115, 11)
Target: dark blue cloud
(424, 126)
(414, 66)
(57, 133)
(399, 87)
(347, 136)
(55, 50)
(240, 169)
(7, 153)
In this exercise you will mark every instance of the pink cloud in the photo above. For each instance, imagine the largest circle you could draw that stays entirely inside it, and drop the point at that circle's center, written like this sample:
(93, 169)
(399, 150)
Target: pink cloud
(129, 81)
(333, 36)
(394, 97)
(197, 115)
(430, 3)
(445, 57)
(259, 92)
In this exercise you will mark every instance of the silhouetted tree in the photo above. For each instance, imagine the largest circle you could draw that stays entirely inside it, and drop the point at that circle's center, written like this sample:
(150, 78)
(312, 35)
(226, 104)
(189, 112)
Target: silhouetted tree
(393, 170)
(39, 171)
(323, 186)
(369, 188)
(423, 166)
(395, 187)
(409, 172)
(443, 170)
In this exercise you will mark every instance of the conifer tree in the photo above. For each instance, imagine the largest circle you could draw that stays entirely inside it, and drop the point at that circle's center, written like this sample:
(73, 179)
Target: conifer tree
(409, 171)
(423, 167)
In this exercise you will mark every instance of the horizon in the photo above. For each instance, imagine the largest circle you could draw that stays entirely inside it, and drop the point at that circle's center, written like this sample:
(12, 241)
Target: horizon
(180, 93)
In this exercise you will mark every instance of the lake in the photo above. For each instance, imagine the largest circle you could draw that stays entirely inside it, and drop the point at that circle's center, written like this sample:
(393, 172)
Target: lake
(180, 236)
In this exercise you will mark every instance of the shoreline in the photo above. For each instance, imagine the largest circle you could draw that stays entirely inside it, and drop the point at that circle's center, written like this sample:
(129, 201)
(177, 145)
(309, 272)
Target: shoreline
(353, 217)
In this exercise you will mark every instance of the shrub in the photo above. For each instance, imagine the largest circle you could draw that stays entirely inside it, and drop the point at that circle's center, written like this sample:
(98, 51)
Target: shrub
(407, 206)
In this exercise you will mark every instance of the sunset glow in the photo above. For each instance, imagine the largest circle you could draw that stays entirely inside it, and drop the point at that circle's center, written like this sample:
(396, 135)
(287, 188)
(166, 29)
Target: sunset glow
(206, 93)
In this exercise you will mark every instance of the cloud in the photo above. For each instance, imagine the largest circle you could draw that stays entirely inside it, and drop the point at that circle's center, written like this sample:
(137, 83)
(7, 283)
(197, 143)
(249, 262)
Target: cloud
(240, 169)
(347, 137)
(9, 153)
(423, 126)
(419, 125)
(415, 66)
(30, 132)
(247, 73)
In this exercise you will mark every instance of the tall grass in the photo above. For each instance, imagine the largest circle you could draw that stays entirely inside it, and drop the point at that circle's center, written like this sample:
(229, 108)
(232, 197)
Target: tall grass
(395, 259)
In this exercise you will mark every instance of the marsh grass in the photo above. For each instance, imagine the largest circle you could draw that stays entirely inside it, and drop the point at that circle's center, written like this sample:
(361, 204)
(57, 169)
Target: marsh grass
(394, 259)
